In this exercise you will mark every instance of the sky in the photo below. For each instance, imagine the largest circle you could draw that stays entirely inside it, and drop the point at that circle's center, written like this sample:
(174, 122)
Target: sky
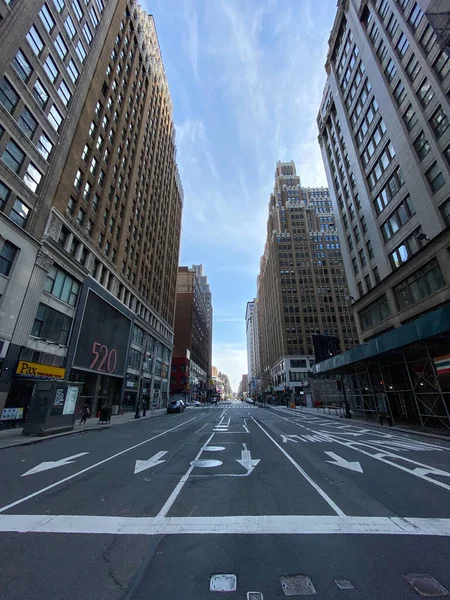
(246, 79)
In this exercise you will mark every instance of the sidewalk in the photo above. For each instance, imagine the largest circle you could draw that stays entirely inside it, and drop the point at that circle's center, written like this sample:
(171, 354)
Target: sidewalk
(441, 435)
(14, 437)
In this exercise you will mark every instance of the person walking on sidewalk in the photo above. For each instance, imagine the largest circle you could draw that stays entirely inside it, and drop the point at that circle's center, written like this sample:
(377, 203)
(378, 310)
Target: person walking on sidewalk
(85, 413)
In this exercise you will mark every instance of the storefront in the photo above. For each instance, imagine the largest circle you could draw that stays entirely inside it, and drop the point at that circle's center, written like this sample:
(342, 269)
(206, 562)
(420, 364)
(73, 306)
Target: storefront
(99, 347)
(22, 388)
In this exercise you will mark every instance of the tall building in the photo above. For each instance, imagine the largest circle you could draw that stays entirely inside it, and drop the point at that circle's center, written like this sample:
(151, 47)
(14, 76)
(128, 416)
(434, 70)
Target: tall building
(385, 139)
(190, 360)
(302, 288)
(243, 385)
(207, 296)
(90, 203)
(252, 345)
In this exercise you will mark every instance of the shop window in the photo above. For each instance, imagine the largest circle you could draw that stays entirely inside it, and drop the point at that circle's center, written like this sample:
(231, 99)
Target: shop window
(422, 283)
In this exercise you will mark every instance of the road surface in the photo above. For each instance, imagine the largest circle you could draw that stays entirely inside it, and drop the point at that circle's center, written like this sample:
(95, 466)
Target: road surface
(260, 503)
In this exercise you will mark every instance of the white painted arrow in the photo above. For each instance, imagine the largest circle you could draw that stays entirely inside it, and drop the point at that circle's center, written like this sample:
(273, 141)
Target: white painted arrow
(142, 465)
(53, 464)
(341, 462)
(247, 461)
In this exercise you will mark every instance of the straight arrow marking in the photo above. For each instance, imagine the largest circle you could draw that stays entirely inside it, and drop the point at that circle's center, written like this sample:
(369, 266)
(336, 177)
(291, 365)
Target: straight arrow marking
(341, 462)
(142, 465)
(52, 464)
(247, 461)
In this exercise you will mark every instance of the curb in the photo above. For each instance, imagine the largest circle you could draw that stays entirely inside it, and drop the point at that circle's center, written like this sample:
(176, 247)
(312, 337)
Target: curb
(445, 438)
(38, 440)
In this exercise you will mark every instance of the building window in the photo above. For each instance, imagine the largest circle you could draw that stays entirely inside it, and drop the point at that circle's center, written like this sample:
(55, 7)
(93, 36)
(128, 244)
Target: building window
(406, 249)
(71, 205)
(19, 213)
(355, 265)
(362, 258)
(78, 178)
(40, 94)
(32, 177)
(8, 253)
(22, 66)
(390, 70)
(402, 45)
(435, 178)
(89, 227)
(410, 118)
(60, 46)
(27, 122)
(70, 27)
(413, 68)
(80, 50)
(399, 93)
(51, 69)
(445, 211)
(64, 93)
(13, 156)
(442, 65)
(5, 193)
(87, 191)
(87, 33)
(389, 191)
(47, 19)
(35, 41)
(51, 325)
(415, 17)
(368, 282)
(439, 122)
(62, 285)
(369, 248)
(374, 314)
(360, 288)
(59, 5)
(425, 93)
(427, 39)
(376, 275)
(44, 146)
(397, 219)
(80, 217)
(95, 203)
(77, 9)
(421, 146)
(73, 71)
(55, 118)
(422, 283)
(381, 165)
(8, 95)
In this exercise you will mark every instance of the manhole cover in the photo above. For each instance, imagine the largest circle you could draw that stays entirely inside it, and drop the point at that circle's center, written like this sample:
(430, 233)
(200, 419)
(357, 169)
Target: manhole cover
(344, 584)
(254, 596)
(297, 585)
(213, 448)
(223, 583)
(426, 585)
(206, 463)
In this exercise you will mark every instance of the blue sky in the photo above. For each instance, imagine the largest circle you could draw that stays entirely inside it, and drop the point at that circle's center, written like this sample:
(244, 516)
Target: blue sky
(246, 79)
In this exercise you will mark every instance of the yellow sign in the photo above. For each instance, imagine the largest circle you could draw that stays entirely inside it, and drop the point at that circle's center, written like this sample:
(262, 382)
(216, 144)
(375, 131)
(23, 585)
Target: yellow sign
(31, 369)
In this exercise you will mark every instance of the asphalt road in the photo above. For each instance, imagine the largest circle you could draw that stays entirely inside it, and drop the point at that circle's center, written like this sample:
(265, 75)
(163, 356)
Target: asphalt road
(281, 501)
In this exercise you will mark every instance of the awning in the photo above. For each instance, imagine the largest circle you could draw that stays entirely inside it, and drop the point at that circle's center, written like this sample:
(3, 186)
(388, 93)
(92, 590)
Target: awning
(421, 329)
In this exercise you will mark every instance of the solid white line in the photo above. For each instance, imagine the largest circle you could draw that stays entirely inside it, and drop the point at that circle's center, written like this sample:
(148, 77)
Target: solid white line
(250, 525)
(49, 487)
(173, 496)
(318, 489)
(198, 430)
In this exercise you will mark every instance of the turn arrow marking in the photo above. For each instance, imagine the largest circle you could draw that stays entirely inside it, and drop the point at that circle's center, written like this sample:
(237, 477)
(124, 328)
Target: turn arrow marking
(341, 462)
(247, 461)
(142, 465)
(52, 464)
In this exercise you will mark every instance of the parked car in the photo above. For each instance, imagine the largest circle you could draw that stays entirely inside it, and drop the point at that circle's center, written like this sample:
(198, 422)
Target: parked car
(193, 403)
(175, 406)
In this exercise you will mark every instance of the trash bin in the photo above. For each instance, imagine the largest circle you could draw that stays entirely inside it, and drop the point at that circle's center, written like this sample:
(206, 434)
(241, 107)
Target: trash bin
(115, 409)
(105, 414)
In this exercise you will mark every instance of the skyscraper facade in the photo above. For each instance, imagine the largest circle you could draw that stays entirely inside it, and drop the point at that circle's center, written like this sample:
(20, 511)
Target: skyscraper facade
(207, 297)
(302, 288)
(91, 202)
(385, 143)
(191, 355)
(385, 140)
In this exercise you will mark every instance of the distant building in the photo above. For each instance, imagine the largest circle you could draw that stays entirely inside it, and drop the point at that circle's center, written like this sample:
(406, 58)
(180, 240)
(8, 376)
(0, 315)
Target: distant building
(385, 140)
(252, 342)
(302, 288)
(207, 297)
(190, 362)
(244, 385)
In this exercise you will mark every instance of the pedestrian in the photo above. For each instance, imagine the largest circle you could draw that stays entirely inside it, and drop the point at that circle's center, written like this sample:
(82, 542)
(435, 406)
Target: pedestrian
(85, 413)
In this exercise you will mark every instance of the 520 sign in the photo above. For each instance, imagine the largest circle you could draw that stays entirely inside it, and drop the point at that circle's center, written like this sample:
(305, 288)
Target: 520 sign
(105, 360)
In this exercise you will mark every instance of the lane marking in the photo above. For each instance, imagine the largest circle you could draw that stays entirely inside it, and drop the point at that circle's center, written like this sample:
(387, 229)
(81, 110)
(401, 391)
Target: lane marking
(54, 464)
(421, 470)
(318, 489)
(174, 495)
(105, 460)
(248, 525)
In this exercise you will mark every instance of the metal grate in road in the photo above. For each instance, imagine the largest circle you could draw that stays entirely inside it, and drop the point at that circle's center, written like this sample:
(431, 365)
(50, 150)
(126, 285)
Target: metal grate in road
(223, 583)
(297, 585)
(344, 584)
(427, 585)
